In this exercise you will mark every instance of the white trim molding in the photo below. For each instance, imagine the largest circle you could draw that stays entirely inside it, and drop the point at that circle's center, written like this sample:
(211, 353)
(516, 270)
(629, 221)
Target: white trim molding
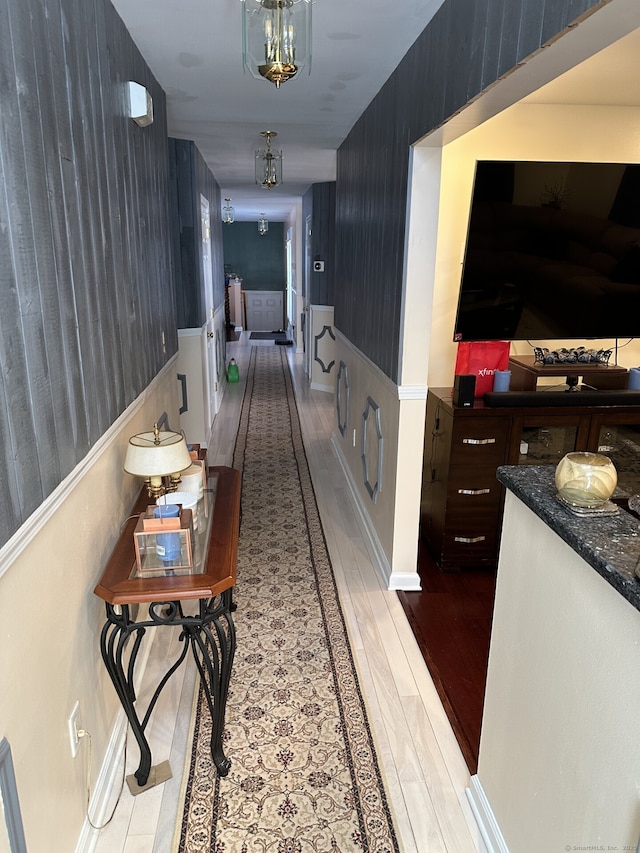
(412, 392)
(485, 818)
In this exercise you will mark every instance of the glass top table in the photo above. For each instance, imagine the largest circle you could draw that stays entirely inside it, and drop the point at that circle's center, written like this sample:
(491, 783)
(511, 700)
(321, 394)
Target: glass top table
(207, 629)
(215, 546)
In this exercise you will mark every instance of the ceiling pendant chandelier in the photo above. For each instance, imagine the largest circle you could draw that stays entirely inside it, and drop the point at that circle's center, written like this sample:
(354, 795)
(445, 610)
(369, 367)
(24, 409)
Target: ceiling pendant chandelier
(263, 225)
(227, 212)
(268, 163)
(276, 38)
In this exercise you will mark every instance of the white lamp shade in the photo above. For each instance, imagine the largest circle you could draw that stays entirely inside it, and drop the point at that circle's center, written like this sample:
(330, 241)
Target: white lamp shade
(151, 454)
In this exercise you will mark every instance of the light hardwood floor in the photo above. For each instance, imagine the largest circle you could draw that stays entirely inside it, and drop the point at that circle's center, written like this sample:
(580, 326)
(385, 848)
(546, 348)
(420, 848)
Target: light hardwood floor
(424, 770)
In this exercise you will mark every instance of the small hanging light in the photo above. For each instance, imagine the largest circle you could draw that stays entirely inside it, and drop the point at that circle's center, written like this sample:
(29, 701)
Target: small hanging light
(276, 38)
(268, 163)
(227, 212)
(263, 225)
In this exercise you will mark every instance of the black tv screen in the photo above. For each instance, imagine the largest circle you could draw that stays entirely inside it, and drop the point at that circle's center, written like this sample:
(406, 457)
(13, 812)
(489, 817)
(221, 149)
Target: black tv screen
(552, 252)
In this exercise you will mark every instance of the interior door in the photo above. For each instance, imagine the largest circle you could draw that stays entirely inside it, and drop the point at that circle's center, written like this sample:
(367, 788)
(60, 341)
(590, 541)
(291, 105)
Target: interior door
(306, 285)
(290, 322)
(212, 384)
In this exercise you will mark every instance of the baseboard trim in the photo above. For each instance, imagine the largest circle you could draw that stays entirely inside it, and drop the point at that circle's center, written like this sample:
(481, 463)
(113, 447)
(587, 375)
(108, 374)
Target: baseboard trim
(485, 818)
(405, 581)
(317, 386)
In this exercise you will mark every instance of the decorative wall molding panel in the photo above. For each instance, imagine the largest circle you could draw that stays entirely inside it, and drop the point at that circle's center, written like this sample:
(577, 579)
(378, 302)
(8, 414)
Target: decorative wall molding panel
(320, 347)
(342, 398)
(13, 828)
(382, 563)
(372, 449)
(323, 348)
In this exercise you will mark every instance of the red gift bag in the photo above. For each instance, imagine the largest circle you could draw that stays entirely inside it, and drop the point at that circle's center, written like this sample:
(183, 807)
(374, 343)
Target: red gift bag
(481, 359)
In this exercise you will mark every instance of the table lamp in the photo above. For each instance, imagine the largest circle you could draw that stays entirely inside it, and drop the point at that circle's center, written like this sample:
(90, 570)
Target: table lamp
(158, 457)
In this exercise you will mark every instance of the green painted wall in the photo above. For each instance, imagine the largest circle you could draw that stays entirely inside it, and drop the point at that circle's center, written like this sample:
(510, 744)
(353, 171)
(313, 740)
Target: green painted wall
(259, 260)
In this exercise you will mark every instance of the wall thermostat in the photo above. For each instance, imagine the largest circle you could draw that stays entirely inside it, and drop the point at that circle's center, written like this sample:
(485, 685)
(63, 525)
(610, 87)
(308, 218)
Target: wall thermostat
(318, 266)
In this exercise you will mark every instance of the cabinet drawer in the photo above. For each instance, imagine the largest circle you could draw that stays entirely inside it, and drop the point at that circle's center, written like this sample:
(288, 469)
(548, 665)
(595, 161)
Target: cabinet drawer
(472, 529)
(474, 483)
(472, 547)
(473, 494)
(479, 441)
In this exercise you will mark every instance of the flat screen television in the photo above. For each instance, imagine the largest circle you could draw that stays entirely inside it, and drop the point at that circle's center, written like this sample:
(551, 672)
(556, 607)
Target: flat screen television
(552, 252)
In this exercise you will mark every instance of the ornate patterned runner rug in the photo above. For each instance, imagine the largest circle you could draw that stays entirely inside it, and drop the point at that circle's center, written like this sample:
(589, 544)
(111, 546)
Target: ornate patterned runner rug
(304, 776)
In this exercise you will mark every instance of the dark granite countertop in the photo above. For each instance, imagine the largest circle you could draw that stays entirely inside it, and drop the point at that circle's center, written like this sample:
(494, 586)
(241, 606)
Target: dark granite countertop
(610, 544)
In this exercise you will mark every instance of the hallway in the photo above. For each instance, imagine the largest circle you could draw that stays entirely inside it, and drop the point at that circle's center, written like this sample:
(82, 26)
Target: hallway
(424, 769)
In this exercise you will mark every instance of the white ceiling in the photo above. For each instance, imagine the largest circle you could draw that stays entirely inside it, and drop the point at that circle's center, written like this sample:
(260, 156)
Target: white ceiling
(194, 48)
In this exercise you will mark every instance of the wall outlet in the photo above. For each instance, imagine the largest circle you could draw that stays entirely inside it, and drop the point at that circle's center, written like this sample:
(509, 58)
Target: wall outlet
(74, 726)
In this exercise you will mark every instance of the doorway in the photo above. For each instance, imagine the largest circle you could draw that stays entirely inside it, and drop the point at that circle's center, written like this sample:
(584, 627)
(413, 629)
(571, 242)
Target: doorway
(213, 394)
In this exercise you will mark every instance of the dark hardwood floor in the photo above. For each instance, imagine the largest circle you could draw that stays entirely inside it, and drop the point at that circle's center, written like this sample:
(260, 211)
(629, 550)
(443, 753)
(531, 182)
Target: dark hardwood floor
(451, 620)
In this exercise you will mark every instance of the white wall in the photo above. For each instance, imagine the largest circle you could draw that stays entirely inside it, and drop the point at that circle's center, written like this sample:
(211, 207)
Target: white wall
(559, 750)
(524, 131)
(50, 623)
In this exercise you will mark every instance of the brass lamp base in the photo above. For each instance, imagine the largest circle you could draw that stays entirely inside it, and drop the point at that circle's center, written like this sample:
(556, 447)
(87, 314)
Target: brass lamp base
(278, 72)
(166, 485)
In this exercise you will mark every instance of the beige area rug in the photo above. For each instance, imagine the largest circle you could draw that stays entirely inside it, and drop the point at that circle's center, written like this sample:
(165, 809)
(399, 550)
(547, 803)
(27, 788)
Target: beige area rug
(304, 776)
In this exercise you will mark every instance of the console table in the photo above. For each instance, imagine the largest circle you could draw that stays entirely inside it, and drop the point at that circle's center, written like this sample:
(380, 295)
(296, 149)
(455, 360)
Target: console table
(206, 628)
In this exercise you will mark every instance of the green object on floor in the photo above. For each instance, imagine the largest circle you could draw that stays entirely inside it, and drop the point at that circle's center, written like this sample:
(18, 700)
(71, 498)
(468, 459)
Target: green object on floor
(233, 374)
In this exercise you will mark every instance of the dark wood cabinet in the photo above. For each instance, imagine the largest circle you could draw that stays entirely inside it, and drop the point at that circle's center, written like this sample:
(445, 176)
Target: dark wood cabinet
(461, 506)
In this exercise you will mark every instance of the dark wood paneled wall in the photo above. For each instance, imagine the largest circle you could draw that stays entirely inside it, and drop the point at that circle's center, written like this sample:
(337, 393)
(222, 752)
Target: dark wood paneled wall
(86, 275)
(467, 46)
(190, 177)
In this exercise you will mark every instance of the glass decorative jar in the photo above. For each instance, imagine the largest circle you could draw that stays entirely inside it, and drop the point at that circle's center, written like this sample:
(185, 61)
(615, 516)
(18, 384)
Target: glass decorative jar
(585, 479)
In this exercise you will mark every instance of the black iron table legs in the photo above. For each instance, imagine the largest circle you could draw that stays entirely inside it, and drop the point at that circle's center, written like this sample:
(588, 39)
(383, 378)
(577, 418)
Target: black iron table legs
(210, 633)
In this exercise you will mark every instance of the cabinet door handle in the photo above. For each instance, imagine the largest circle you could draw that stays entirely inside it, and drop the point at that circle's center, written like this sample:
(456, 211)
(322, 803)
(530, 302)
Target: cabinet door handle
(469, 540)
(478, 441)
(473, 491)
